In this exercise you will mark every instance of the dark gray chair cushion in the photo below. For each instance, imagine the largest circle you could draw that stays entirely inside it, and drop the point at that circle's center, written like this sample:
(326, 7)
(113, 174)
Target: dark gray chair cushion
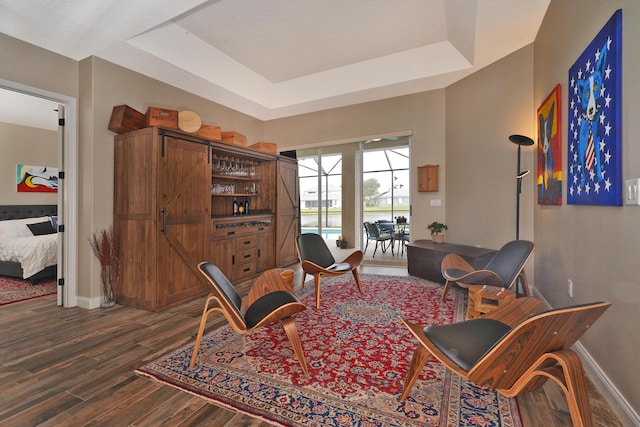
(226, 288)
(313, 248)
(466, 342)
(265, 305)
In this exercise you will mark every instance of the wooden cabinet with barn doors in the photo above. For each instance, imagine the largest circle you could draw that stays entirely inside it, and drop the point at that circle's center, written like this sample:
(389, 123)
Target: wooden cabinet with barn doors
(162, 216)
(174, 207)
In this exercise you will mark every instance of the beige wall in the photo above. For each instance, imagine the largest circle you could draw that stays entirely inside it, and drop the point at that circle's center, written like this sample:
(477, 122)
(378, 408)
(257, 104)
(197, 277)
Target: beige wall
(421, 115)
(482, 111)
(28, 146)
(104, 85)
(595, 247)
(30, 65)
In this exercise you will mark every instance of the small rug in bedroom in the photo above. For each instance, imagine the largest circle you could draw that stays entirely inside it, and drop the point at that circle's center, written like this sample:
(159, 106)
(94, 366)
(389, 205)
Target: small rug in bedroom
(357, 353)
(15, 290)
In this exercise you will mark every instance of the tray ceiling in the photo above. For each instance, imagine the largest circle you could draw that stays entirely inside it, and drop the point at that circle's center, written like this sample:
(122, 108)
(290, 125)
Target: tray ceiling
(277, 58)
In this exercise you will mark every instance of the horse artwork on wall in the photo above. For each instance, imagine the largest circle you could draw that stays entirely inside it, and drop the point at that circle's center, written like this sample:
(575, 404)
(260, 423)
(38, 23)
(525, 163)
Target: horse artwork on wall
(550, 150)
(595, 125)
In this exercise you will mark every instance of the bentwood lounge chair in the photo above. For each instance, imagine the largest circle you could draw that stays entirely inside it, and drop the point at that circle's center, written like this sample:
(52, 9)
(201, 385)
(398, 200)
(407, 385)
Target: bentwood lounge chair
(269, 300)
(316, 259)
(382, 238)
(503, 269)
(513, 350)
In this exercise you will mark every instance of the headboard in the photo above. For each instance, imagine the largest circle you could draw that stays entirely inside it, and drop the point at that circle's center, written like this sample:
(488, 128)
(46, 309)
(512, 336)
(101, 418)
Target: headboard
(27, 211)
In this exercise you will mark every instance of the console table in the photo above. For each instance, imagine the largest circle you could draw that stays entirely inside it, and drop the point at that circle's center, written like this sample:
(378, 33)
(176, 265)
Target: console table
(424, 257)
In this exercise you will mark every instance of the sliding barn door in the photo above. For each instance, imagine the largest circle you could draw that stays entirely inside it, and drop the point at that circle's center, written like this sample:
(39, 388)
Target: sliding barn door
(288, 209)
(184, 205)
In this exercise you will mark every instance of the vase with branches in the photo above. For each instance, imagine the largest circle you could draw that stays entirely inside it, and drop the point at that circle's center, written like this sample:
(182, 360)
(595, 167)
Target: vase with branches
(104, 245)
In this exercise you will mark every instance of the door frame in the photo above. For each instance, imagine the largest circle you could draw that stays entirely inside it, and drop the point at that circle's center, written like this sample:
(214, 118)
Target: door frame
(67, 198)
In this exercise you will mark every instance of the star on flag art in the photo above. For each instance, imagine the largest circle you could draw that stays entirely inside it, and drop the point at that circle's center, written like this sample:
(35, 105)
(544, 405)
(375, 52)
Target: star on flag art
(595, 126)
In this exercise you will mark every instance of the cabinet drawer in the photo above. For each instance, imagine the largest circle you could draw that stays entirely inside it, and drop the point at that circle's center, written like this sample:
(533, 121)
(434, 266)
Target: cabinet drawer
(245, 270)
(222, 229)
(248, 255)
(248, 242)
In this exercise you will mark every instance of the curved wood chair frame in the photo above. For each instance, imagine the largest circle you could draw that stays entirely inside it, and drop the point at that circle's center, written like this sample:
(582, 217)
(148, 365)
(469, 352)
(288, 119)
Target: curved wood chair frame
(537, 348)
(268, 283)
(456, 269)
(349, 264)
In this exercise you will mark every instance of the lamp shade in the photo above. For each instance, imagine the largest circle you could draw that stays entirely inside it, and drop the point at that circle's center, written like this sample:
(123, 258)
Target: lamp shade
(521, 140)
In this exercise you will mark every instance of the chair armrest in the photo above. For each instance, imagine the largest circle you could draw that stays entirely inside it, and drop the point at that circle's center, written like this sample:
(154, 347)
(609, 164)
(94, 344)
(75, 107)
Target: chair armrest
(268, 282)
(355, 259)
(514, 312)
(456, 262)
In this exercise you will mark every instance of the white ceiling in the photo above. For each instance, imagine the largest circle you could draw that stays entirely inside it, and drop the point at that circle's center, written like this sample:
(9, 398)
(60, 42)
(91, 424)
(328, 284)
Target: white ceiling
(276, 58)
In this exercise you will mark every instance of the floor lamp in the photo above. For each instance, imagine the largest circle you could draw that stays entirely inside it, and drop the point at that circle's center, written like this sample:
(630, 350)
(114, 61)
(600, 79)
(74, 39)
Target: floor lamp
(519, 140)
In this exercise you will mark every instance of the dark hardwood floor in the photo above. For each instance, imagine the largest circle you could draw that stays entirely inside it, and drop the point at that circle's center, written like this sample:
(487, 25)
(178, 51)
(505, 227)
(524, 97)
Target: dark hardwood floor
(75, 367)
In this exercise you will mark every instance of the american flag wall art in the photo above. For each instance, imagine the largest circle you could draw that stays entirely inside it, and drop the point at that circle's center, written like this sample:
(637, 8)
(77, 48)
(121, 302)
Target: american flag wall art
(594, 153)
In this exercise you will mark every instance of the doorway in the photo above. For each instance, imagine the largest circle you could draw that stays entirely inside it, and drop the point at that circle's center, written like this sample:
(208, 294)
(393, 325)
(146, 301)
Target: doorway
(23, 98)
(336, 196)
(386, 196)
(320, 179)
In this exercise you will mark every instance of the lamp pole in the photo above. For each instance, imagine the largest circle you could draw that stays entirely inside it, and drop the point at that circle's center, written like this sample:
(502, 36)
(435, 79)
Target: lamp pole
(519, 140)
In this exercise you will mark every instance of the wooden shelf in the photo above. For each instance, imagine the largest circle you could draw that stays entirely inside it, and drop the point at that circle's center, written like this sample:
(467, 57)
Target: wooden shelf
(235, 194)
(236, 178)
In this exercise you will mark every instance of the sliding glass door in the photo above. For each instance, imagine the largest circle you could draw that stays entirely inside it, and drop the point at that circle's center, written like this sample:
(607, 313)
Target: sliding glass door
(320, 192)
(385, 182)
(343, 185)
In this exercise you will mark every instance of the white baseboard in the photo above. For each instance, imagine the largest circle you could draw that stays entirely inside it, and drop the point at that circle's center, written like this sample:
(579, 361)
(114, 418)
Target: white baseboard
(89, 303)
(625, 412)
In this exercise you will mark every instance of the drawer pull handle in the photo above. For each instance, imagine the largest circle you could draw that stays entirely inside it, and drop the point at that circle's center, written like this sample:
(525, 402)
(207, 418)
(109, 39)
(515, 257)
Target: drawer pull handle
(247, 256)
(246, 242)
(230, 233)
(261, 229)
(246, 269)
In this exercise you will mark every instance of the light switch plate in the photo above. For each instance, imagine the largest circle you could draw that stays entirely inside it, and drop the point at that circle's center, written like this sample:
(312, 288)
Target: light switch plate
(632, 191)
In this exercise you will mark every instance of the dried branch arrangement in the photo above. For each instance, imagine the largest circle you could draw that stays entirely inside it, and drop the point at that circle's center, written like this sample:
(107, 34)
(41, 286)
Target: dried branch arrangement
(104, 247)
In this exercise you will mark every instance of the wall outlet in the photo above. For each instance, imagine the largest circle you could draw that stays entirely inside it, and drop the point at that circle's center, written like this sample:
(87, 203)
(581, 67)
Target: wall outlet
(632, 191)
(570, 288)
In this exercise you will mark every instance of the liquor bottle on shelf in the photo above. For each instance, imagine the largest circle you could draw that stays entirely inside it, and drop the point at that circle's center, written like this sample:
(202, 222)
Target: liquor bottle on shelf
(235, 207)
(246, 206)
(241, 208)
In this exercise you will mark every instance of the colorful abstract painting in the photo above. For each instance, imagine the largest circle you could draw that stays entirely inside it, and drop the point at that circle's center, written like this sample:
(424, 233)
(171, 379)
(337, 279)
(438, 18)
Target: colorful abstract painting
(550, 150)
(37, 179)
(595, 120)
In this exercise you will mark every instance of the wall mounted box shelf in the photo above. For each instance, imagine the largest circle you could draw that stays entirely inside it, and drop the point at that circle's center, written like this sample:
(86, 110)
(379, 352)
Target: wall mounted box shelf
(428, 178)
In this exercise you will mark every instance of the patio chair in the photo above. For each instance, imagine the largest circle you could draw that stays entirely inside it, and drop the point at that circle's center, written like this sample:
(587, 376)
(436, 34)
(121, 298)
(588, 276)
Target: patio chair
(384, 239)
(513, 350)
(316, 259)
(269, 300)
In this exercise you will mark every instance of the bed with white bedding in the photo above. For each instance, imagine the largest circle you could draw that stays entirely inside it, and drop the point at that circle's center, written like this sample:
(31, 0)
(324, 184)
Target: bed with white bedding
(28, 241)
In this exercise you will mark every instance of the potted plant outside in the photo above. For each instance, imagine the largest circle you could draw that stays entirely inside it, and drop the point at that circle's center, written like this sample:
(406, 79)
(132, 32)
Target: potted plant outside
(437, 230)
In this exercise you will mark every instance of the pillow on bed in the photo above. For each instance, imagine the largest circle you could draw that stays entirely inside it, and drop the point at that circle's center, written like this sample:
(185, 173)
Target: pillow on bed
(41, 228)
(18, 228)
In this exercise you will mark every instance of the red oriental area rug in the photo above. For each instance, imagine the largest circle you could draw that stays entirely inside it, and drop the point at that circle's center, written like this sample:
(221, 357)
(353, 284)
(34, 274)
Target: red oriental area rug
(358, 354)
(15, 290)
